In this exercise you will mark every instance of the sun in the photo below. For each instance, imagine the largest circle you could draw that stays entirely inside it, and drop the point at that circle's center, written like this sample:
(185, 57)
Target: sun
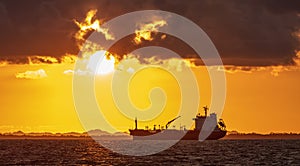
(101, 64)
(106, 65)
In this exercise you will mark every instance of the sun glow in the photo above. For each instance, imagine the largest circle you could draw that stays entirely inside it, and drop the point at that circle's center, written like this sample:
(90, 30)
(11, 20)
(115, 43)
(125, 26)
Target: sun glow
(106, 66)
(101, 63)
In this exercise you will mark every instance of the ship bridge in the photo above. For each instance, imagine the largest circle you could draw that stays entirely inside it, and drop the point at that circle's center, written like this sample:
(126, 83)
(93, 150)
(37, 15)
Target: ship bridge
(210, 121)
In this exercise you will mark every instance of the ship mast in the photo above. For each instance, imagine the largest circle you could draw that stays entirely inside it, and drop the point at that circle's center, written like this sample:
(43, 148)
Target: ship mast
(135, 121)
(205, 110)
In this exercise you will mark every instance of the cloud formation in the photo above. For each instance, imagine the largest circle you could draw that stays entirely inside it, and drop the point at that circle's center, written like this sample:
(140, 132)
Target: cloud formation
(274, 70)
(247, 33)
(39, 59)
(145, 31)
(38, 74)
(89, 25)
(3, 63)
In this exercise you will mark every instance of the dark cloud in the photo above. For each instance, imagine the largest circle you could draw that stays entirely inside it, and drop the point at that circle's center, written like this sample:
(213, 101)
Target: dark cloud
(249, 32)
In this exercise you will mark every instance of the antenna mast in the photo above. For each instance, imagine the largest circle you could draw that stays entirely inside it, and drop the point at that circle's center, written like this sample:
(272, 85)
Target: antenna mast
(205, 110)
(135, 121)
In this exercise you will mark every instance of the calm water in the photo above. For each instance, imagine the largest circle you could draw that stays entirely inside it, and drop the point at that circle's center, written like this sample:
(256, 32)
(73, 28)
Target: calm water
(221, 152)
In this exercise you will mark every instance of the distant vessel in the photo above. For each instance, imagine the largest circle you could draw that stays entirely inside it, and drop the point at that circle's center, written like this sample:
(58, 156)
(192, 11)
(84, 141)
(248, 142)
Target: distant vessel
(207, 125)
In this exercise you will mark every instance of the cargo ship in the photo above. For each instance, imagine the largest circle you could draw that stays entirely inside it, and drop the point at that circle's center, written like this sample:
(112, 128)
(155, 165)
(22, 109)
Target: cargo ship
(206, 128)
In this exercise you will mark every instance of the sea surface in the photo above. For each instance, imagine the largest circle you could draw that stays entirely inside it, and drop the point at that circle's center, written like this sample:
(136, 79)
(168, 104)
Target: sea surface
(88, 152)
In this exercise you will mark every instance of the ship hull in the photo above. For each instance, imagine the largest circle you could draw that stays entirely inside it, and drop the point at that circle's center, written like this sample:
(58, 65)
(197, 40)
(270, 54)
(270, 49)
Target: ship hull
(175, 135)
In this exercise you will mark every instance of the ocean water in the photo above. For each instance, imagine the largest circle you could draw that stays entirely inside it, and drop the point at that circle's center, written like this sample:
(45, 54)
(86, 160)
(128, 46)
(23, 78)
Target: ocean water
(88, 152)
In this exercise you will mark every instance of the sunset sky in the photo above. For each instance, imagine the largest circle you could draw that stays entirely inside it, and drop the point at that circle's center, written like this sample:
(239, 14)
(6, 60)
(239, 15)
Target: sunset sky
(258, 42)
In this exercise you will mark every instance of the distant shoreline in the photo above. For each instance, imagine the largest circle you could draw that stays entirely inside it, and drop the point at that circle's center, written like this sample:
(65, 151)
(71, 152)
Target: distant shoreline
(112, 137)
(253, 136)
(98, 134)
(13, 137)
(43, 138)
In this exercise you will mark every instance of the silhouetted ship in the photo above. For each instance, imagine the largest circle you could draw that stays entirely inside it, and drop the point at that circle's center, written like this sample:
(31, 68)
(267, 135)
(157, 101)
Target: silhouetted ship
(210, 129)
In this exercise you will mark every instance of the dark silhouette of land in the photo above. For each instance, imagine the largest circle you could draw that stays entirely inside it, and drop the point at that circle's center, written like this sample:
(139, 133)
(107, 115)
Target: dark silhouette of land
(237, 135)
(99, 134)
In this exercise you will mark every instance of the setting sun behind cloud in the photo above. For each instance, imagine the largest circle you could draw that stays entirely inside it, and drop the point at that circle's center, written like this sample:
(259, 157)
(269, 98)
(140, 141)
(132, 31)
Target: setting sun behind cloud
(101, 64)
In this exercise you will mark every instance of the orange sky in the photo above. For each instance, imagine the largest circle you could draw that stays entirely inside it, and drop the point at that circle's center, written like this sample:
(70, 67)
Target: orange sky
(255, 102)
(38, 96)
